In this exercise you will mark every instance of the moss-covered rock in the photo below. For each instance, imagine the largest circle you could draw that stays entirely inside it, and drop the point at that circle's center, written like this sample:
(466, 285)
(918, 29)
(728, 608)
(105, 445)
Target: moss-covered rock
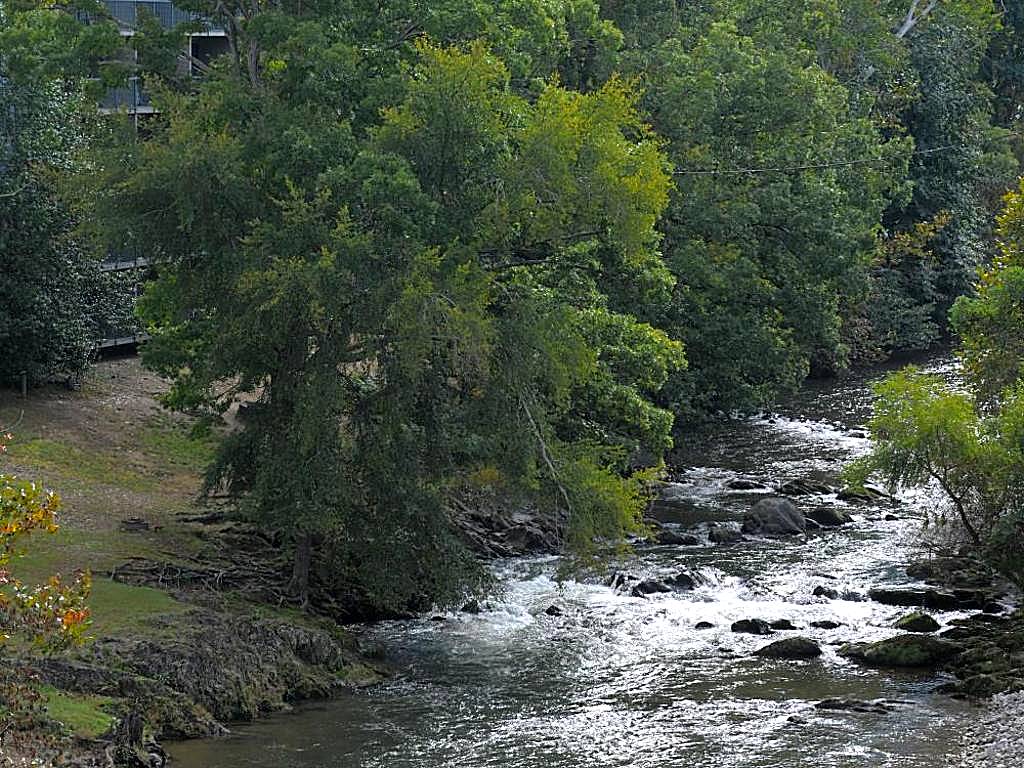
(903, 651)
(917, 622)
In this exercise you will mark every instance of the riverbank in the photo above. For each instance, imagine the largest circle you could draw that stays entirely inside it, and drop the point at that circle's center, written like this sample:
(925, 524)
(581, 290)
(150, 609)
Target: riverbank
(193, 630)
(189, 632)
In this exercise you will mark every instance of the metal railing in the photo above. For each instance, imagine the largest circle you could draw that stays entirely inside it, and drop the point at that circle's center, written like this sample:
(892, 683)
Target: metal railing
(127, 12)
(130, 97)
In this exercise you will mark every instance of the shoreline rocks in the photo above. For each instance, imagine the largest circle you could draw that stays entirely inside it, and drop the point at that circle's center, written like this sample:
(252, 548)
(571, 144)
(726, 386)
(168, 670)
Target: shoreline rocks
(911, 650)
(917, 622)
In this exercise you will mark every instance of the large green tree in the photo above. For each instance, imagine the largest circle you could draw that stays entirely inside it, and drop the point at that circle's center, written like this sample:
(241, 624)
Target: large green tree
(771, 227)
(412, 301)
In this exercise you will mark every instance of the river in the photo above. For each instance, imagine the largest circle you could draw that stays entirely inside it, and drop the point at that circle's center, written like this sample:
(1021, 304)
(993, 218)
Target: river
(626, 681)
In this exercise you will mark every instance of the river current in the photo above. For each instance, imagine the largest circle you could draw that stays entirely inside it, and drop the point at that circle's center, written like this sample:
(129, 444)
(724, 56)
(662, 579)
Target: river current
(617, 680)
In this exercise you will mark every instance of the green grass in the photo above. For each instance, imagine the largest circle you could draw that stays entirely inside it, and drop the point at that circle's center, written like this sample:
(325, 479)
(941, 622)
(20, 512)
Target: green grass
(90, 467)
(82, 715)
(177, 445)
(121, 609)
(115, 607)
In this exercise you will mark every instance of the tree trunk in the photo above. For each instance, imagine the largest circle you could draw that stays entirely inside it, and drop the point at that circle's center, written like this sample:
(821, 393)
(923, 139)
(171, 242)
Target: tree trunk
(299, 586)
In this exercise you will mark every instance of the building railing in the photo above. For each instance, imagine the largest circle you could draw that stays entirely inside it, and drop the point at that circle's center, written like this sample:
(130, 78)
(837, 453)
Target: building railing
(127, 12)
(130, 97)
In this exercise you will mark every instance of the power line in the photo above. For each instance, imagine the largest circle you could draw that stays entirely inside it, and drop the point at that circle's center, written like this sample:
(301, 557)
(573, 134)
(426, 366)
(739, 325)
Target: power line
(821, 166)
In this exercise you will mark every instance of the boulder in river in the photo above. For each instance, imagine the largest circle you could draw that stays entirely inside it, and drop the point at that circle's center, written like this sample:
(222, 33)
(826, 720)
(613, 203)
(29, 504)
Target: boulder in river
(831, 594)
(916, 596)
(553, 610)
(829, 517)
(864, 493)
(917, 622)
(903, 651)
(784, 624)
(852, 705)
(790, 648)
(774, 517)
(682, 581)
(745, 484)
(724, 534)
(668, 537)
(804, 488)
(650, 587)
(752, 627)
(703, 625)
(826, 624)
(619, 579)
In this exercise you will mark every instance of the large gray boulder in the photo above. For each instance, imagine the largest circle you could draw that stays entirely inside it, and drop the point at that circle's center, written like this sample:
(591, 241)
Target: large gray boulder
(774, 517)
(790, 648)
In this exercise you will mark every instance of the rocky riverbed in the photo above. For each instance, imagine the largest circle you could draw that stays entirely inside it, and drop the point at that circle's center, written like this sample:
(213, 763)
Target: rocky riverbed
(771, 621)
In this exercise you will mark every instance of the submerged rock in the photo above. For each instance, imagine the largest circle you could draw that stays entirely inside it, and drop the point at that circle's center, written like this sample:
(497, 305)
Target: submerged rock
(852, 705)
(903, 651)
(752, 627)
(804, 488)
(826, 624)
(724, 534)
(829, 517)
(553, 610)
(790, 648)
(917, 622)
(745, 484)
(774, 517)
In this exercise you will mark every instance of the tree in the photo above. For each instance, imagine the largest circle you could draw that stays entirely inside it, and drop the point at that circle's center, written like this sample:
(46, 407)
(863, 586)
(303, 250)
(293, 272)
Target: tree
(768, 238)
(53, 615)
(970, 443)
(54, 300)
(411, 302)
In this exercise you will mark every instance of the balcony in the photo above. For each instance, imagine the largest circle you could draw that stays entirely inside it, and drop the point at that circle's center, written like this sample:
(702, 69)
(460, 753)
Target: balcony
(130, 98)
(127, 13)
(124, 259)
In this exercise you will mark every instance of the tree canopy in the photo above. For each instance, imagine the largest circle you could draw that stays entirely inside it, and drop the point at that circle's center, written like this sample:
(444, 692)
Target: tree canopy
(434, 247)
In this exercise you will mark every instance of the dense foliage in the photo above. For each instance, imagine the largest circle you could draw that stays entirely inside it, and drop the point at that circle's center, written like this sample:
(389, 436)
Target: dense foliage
(969, 442)
(54, 301)
(439, 247)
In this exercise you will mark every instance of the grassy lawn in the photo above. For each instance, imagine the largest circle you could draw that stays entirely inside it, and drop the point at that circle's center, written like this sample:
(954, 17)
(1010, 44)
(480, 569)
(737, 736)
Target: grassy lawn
(81, 715)
(112, 453)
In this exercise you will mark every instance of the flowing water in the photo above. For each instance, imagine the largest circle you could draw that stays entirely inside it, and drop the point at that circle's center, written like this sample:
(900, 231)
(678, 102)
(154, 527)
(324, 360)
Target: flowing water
(625, 681)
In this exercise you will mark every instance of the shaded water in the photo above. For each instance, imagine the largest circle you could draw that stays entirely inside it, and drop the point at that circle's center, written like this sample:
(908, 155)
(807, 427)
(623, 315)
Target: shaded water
(624, 681)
